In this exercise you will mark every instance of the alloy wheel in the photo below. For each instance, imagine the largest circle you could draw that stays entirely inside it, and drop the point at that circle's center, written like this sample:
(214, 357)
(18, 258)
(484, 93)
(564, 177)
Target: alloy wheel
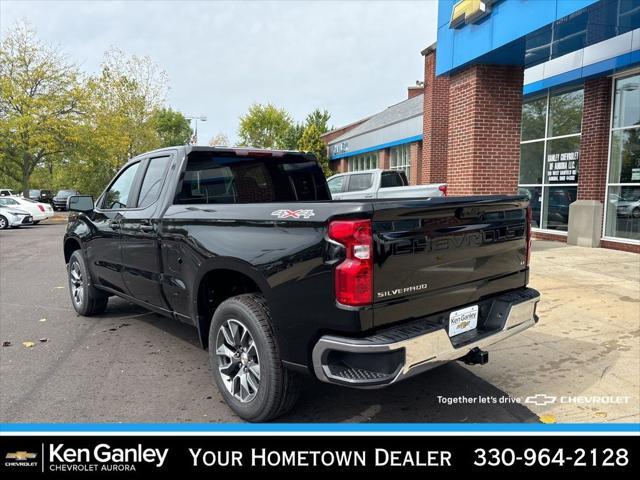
(238, 360)
(75, 280)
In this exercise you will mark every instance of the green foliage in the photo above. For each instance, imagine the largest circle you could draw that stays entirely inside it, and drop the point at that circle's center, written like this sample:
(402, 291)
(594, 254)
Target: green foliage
(311, 142)
(264, 126)
(41, 103)
(292, 136)
(172, 127)
(320, 119)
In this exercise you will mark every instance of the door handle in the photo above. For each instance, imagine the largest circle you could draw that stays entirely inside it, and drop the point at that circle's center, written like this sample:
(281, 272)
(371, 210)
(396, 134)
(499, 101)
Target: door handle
(114, 225)
(146, 228)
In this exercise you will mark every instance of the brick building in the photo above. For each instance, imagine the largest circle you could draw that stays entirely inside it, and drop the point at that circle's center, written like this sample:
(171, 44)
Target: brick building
(540, 98)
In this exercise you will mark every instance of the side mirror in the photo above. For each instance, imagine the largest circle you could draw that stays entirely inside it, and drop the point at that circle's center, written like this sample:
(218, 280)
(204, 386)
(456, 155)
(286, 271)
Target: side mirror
(80, 203)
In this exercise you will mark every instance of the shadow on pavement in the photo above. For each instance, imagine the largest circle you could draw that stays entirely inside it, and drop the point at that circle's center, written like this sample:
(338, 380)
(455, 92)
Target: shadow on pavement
(413, 400)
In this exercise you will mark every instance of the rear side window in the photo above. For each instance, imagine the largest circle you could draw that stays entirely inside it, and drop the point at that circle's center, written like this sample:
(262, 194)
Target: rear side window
(361, 181)
(223, 177)
(391, 179)
(152, 182)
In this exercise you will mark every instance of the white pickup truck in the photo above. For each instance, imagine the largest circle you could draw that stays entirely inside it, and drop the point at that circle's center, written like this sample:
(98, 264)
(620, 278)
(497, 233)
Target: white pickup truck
(379, 183)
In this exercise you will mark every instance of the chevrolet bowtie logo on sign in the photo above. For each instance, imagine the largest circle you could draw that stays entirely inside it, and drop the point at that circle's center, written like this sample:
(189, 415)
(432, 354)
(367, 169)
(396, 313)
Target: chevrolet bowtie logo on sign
(469, 11)
(20, 455)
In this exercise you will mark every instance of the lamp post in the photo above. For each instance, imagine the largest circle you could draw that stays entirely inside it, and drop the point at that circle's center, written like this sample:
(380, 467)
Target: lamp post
(202, 118)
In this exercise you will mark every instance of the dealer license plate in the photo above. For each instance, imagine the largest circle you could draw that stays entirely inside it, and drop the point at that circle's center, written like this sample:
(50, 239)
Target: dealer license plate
(463, 320)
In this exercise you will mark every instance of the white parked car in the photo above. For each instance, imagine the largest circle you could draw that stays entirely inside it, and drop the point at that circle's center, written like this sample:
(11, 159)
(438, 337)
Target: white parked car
(378, 183)
(39, 211)
(14, 218)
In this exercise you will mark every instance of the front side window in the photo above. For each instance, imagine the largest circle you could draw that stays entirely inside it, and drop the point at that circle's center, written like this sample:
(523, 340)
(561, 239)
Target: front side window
(622, 217)
(152, 182)
(549, 156)
(335, 184)
(118, 194)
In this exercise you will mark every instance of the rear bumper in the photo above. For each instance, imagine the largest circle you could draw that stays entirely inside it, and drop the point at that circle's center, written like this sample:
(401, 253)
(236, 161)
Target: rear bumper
(402, 351)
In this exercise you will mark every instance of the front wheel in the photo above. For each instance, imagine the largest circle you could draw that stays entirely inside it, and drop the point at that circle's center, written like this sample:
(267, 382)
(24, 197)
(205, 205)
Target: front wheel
(246, 364)
(87, 300)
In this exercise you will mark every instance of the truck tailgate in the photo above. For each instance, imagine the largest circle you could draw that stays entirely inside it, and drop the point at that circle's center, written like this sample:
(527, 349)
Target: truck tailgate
(440, 253)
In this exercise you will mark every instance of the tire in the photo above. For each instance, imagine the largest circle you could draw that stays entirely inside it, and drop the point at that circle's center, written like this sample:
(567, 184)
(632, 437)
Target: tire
(278, 388)
(635, 213)
(4, 223)
(86, 299)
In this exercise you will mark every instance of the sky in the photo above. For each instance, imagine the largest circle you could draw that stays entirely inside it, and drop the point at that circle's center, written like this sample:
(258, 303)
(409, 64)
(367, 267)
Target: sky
(353, 58)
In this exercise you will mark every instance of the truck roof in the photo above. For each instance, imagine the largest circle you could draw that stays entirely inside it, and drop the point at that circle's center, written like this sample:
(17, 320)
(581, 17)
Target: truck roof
(237, 150)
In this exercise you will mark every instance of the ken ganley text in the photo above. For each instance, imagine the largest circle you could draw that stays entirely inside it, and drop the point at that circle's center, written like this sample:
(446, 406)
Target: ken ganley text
(262, 457)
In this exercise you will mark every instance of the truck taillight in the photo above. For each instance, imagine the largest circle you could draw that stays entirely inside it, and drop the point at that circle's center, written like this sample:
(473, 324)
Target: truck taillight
(354, 275)
(443, 189)
(529, 216)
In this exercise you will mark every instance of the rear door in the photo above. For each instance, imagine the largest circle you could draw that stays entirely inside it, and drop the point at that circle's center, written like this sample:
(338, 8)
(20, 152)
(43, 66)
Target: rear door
(440, 253)
(141, 259)
(359, 186)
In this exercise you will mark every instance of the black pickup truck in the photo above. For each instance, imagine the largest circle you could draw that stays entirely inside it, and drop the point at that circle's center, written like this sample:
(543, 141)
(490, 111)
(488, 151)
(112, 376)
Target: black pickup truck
(248, 247)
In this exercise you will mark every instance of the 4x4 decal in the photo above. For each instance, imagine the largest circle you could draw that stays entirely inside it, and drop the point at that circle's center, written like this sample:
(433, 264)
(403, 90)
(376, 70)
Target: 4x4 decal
(293, 213)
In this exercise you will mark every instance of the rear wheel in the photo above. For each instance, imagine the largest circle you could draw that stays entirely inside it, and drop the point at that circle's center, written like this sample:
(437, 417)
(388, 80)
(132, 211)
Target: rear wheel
(87, 300)
(246, 365)
(4, 223)
(635, 213)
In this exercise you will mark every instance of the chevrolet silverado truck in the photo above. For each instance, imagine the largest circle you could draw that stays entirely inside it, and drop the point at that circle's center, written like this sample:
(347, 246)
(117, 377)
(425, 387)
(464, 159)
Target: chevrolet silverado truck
(379, 183)
(280, 280)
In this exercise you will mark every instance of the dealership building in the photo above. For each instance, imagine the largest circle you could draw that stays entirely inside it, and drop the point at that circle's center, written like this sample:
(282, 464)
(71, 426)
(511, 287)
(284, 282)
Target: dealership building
(540, 97)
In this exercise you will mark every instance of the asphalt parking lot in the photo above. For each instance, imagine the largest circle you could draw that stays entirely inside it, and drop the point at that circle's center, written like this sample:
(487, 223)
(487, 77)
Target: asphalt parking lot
(129, 365)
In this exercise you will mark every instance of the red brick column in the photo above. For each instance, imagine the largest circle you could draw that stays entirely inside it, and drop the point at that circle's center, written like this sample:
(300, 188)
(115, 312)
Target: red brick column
(384, 157)
(435, 127)
(342, 165)
(485, 108)
(594, 144)
(415, 156)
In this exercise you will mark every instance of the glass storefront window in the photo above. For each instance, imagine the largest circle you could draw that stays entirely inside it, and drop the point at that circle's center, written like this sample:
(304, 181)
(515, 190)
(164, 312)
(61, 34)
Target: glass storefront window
(366, 161)
(534, 118)
(626, 106)
(549, 163)
(625, 156)
(623, 212)
(401, 159)
(556, 201)
(622, 215)
(531, 162)
(565, 113)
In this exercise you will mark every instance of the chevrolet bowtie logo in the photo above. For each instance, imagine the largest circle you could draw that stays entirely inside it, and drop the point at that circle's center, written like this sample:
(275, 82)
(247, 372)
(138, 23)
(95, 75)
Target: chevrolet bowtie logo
(541, 399)
(469, 11)
(20, 455)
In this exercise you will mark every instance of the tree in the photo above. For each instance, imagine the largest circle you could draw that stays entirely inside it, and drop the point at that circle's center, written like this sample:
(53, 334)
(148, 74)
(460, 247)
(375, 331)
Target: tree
(311, 142)
(172, 127)
(264, 126)
(119, 121)
(40, 104)
(320, 119)
(292, 136)
(219, 140)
